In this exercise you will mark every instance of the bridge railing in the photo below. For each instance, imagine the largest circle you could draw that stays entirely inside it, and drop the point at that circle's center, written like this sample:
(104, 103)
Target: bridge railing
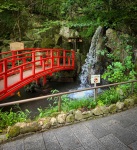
(35, 60)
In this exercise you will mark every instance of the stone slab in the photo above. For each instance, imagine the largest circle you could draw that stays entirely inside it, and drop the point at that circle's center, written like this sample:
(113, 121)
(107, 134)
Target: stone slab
(34, 142)
(113, 143)
(67, 139)
(133, 146)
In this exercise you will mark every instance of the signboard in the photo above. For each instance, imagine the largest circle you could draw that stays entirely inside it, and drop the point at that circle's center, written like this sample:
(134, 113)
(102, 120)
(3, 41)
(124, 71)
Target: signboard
(95, 79)
(16, 46)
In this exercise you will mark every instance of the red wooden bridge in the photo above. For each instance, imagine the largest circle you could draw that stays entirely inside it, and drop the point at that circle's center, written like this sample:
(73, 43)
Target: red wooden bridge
(20, 67)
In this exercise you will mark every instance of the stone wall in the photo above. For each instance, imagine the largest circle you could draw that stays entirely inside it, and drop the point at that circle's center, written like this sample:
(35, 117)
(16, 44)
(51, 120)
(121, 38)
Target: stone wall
(63, 119)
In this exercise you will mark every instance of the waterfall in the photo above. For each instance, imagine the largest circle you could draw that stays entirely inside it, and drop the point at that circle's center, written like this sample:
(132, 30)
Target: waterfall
(89, 67)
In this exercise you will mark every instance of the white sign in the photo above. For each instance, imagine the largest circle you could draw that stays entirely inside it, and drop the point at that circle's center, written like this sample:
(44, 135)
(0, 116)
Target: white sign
(95, 79)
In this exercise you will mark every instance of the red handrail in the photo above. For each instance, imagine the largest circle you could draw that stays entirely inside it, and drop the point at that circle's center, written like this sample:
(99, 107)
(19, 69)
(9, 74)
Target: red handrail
(21, 67)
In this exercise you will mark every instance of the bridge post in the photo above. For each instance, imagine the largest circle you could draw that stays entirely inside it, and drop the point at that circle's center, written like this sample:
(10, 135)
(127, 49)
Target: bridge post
(5, 74)
(33, 63)
(52, 58)
(1, 67)
(58, 58)
(64, 57)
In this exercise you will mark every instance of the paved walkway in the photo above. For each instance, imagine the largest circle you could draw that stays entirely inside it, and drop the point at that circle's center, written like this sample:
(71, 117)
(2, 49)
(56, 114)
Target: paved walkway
(115, 132)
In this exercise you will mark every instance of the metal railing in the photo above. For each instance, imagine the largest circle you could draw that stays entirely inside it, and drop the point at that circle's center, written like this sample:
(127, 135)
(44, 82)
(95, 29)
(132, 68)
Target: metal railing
(70, 92)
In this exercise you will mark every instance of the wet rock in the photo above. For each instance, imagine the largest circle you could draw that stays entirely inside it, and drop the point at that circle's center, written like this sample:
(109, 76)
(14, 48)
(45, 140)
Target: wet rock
(120, 105)
(129, 102)
(61, 118)
(97, 111)
(70, 118)
(78, 115)
(112, 108)
(13, 131)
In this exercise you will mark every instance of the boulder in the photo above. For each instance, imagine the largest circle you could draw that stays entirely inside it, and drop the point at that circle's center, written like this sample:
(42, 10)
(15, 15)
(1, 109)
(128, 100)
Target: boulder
(120, 105)
(129, 102)
(78, 115)
(13, 131)
(53, 121)
(86, 114)
(30, 127)
(61, 118)
(45, 123)
(97, 111)
(70, 118)
(112, 108)
(104, 109)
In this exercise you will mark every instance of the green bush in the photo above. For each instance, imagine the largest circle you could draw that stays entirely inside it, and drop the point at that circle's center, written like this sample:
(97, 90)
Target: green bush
(10, 118)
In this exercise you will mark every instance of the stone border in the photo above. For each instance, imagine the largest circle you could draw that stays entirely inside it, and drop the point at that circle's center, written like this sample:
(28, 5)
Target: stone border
(21, 129)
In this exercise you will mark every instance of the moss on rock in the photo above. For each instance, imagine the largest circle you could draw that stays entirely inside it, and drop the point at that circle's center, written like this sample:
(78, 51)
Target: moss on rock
(112, 108)
(14, 131)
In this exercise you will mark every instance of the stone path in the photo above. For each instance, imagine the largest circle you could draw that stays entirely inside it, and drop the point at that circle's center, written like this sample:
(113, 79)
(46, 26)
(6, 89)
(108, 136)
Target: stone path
(115, 132)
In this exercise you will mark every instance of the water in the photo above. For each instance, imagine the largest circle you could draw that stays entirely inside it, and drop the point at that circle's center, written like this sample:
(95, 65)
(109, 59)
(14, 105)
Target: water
(89, 68)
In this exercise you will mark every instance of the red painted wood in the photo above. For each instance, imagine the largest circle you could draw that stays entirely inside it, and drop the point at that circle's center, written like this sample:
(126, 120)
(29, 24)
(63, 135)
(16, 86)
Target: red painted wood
(20, 67)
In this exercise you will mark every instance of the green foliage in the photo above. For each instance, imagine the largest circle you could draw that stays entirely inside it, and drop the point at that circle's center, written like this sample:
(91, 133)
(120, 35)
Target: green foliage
(121, 71)
(47, 112)
(108, 97)
(69, 104)
(10, 118)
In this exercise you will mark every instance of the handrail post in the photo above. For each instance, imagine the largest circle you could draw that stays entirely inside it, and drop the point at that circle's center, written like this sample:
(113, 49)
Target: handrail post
(5, 74)
(59, 103)
(13, 57)
(95, 92)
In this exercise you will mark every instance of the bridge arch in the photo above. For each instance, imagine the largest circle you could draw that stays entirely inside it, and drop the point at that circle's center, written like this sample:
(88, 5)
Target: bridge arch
(20, 67)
